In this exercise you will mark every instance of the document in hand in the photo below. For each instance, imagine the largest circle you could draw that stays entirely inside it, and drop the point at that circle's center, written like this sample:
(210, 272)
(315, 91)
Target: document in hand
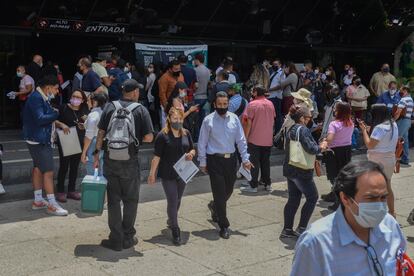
(69, 142)
(186, 170)
(245, 173)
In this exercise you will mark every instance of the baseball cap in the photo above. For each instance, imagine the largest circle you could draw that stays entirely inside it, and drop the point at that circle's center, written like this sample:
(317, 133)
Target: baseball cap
(130, 85)
(181, 85)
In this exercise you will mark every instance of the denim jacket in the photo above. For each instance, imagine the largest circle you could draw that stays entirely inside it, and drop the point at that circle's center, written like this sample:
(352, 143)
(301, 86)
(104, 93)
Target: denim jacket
(309, 145)
(38, 117)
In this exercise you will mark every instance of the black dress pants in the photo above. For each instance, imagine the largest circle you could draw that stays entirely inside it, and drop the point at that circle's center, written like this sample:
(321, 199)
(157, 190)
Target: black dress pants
(260, 158)
(123, 184)
(66, 163)
(222, 173)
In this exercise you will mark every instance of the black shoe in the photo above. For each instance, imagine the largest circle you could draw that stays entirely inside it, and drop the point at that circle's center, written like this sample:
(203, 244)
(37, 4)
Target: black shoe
(300, 230)
(213, 211)
(176, 234)
(111, 245)
(331, 197)
(289, 233)
(130, 243)
(224, 233)
(333, 207)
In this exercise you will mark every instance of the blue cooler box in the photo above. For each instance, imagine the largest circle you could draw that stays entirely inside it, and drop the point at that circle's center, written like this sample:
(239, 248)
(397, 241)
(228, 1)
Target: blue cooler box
(93, 194)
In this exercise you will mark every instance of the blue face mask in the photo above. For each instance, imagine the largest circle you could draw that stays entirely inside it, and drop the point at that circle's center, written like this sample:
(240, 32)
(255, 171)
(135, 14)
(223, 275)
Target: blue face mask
(50, 97)
(19, 75)
(370, 214)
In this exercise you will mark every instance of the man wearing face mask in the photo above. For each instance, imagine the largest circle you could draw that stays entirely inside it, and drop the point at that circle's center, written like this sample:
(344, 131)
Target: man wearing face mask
(34, 68)
(123, 175)
(91, 82)
(38, 128)
(26, 86)
(276, 93)
(166, 85)
(391, 97)
(380, 80)
(360, 238)
(220, 132)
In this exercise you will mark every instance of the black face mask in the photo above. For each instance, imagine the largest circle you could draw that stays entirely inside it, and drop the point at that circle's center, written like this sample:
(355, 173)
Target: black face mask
(357, 83)
(176, 74)
(221, 111)
(275, 67)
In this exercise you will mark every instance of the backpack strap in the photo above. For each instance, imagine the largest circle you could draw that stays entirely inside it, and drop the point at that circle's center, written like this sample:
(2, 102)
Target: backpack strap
(240, 110)
(132, 106)
(117, 105)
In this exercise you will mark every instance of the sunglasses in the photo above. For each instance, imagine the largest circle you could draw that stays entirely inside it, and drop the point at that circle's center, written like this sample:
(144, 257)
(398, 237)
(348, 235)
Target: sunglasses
(374, 259)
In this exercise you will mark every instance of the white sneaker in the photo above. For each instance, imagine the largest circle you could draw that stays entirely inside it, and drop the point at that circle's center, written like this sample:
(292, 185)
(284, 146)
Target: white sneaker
(56, 210)
(248, 189)
(2, 190)
(268, 188)
(38, 205)
(244, 184)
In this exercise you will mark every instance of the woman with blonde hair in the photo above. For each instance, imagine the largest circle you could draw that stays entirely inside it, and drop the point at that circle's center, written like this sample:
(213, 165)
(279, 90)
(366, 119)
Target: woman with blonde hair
(170, 145)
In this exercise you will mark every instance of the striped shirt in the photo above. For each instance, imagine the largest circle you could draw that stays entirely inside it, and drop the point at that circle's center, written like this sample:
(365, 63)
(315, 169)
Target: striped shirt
(330, 247)
(407, 102)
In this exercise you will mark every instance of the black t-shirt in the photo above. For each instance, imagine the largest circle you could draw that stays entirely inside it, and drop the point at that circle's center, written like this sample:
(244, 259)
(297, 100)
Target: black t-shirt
(143, 124)
(91, 81)
(70, 117)
(170, 149)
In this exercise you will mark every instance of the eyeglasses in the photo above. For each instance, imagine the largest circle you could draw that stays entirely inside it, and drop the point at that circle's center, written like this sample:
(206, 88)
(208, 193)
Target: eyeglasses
(373, 257)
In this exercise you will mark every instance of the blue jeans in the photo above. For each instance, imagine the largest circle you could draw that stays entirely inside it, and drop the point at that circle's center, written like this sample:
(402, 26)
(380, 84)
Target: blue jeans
(297, 187)
(277, 103)
(403, 128)
(89, 164)
(201, 115)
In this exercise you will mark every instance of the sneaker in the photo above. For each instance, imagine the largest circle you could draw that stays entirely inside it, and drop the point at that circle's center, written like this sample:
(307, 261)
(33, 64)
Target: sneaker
(268, 188)
(56, 210)
(248, 190)
(2, 190)
(74, 195)
(38, 205)
(61, 197)
(405, 164)
(300, 230)
(112, 245)
(289, 233)
(410, 218)
(244, 184)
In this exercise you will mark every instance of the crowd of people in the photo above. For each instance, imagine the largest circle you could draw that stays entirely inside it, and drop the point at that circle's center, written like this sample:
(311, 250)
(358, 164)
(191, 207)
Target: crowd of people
(313, 114)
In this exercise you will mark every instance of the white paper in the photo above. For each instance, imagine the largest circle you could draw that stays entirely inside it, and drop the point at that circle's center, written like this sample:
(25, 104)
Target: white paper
(11, 95)
(186, 170)
(69, 142)
(245, 173)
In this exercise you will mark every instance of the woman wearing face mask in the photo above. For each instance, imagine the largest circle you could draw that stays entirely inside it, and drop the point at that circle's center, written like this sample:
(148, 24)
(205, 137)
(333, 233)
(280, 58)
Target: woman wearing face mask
(177, 99)
(300, 181)
(339, 140)
(72, 114)
(381, 144)
(357, 94)
(98, 102)
(170, 145)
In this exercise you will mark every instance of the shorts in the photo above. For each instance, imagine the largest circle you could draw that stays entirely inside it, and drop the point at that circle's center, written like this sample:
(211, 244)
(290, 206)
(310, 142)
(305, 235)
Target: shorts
(42, 156)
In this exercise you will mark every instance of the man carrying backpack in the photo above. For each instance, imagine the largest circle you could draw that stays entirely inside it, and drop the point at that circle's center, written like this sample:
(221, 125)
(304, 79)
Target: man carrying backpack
(124, 125)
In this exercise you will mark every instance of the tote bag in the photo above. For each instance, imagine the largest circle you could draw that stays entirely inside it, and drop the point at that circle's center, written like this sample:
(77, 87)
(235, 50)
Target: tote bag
(298, 157)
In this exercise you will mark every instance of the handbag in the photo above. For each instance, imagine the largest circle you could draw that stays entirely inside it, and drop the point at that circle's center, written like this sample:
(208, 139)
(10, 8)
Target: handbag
(298, 157)
(405, 266)
(318, 168)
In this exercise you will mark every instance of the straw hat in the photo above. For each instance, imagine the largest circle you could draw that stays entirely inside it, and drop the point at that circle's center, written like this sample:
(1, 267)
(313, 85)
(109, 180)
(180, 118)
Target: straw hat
(303, 95)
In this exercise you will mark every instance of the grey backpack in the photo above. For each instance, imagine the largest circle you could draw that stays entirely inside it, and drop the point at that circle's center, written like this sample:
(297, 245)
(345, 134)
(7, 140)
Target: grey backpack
(121, 131)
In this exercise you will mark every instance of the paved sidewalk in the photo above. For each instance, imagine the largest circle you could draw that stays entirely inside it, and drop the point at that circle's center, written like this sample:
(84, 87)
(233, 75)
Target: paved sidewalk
(33, 243)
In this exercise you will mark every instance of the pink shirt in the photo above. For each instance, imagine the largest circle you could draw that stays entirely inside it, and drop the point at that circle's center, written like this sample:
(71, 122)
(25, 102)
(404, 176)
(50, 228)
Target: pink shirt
(342, 134)
(262, 114)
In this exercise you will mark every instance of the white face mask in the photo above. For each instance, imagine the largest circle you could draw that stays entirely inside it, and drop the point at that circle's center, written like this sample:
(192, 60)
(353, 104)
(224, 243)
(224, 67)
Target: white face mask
(370, 214)
(316, 71)
(183, 94)
(393, 91)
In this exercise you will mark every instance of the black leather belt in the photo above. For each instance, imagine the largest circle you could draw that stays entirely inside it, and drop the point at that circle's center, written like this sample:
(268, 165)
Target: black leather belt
(224, 155)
